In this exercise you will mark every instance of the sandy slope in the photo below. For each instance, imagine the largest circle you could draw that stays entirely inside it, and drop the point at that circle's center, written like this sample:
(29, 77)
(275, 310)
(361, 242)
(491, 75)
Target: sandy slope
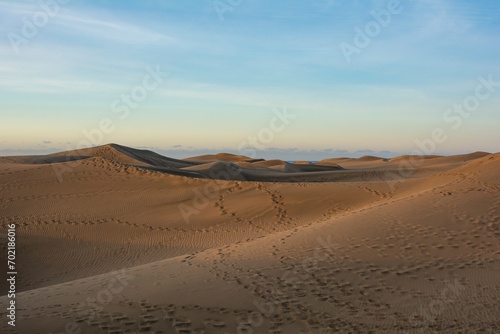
(383, 248)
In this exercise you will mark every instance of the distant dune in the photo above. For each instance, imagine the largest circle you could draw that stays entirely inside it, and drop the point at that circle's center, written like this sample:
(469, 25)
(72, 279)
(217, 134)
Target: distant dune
(436, 159)
(220, 157)
(113, 239)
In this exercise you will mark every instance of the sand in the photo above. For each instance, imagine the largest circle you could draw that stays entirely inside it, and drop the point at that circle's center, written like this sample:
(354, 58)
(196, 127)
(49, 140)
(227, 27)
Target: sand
(117, 240)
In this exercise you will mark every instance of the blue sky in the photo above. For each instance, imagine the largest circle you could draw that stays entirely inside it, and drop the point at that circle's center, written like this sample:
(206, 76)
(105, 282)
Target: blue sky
(232, 64)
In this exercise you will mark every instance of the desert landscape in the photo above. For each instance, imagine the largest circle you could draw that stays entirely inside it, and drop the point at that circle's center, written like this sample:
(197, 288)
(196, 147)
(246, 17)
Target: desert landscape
(250, 167)
(113, 239)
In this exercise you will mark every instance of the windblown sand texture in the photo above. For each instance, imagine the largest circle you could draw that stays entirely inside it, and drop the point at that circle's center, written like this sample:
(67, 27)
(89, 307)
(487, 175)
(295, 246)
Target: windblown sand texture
(368, 245)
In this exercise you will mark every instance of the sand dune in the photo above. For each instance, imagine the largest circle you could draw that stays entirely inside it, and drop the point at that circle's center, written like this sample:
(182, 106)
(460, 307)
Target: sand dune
(222, 166)
(275, 163)
(123, 244)
(220, 157)
(436, 160)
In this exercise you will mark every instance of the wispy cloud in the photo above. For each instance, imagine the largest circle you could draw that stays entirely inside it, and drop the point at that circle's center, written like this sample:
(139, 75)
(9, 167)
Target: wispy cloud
(93, 24)
(110, 29)
(52, 86)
